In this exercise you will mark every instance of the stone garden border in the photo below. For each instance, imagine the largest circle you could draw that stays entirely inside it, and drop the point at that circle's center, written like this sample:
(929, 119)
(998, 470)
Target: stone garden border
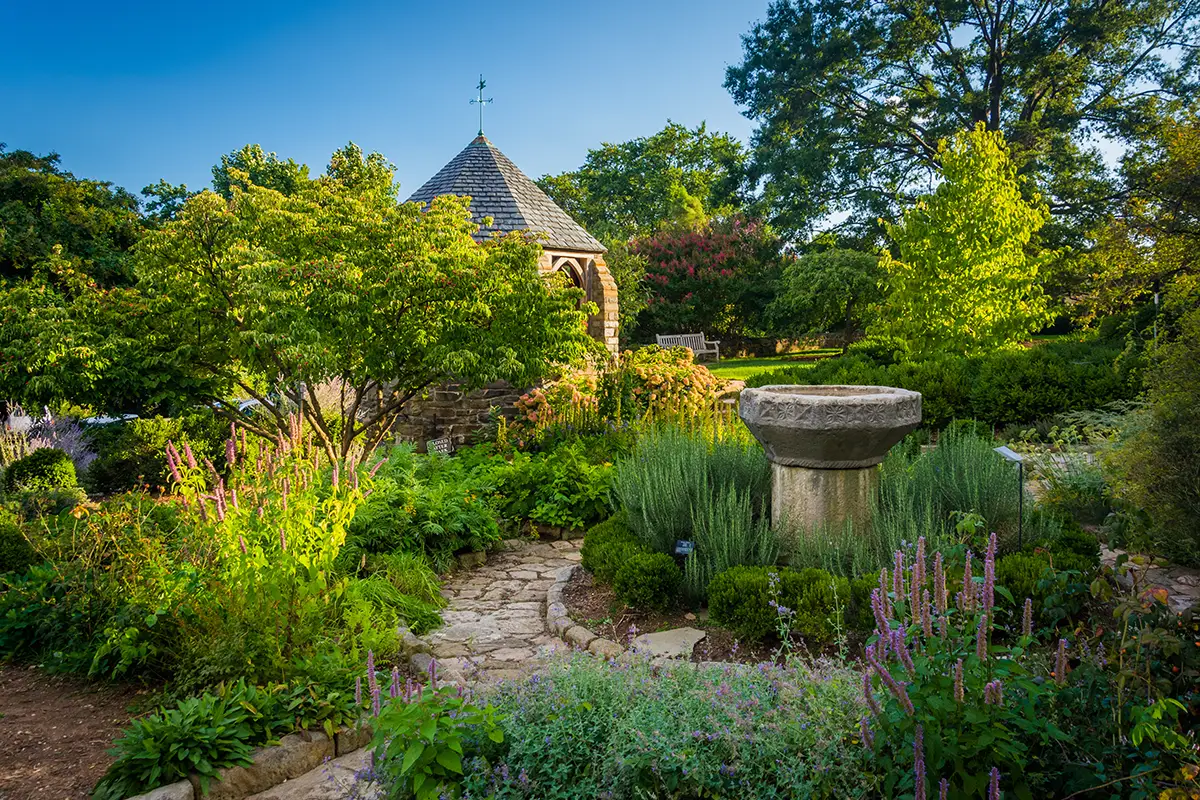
(560, 624)
(295, 755)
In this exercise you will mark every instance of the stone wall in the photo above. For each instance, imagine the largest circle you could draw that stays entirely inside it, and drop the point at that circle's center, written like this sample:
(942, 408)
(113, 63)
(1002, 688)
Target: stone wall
(451, 412)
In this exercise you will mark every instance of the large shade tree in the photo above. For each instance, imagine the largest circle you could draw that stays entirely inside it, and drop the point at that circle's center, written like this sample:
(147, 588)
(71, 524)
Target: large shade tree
(828, 290)
(852, 97)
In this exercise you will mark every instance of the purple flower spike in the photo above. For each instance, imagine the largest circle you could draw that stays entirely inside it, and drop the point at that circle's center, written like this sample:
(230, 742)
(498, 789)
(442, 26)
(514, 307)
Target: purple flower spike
(959, 692)
(358, 692)
(864, 730)
(282, 540)
(968, 594)
(943, 789)
(897, 689)
(433, 673)
(994, 784)
(187, 453)
(881, 623)
(993, 693)
(900, 648)
(230, 451)
(1060, 663)
(242, 544)
(981, 641)
(336, 476)
(869, 695)
(394, 689)
(1027, 618)
(919, 761)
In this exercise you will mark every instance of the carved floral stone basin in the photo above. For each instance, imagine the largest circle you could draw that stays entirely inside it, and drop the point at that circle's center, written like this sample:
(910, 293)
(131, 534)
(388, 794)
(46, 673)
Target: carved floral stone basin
(829, 427)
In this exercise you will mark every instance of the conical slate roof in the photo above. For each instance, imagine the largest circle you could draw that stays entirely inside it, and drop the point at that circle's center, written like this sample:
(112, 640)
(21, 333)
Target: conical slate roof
(501, 191)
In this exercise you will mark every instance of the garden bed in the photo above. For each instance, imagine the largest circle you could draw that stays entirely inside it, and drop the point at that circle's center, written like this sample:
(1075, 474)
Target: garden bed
(594, 606)
(57, 732)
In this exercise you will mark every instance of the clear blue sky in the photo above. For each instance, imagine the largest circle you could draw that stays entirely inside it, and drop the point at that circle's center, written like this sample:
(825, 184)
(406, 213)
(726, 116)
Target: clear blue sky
(131, 92)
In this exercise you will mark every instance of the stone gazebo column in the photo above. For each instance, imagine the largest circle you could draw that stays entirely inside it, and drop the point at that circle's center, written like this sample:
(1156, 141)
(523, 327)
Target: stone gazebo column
(825, 444)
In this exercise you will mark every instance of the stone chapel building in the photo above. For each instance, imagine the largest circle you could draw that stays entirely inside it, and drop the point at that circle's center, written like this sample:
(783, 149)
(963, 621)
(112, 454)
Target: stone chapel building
(498, 189)
(515, 203)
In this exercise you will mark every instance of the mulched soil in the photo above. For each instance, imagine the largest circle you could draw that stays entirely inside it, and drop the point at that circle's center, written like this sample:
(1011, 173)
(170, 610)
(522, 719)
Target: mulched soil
(594, 606)
(55, 732)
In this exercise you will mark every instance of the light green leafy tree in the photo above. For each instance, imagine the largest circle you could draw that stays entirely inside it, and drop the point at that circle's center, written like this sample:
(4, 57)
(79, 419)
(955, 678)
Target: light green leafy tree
(962, 278)
(823, 291)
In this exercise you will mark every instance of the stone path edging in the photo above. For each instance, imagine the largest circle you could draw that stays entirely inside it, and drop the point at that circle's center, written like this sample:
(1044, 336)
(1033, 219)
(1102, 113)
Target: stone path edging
(560, 624)
(297, 754)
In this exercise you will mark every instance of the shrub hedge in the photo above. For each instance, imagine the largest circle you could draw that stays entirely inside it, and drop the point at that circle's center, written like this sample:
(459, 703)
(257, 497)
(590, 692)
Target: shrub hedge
(608, 546)
(649, 580)
(1003, 388)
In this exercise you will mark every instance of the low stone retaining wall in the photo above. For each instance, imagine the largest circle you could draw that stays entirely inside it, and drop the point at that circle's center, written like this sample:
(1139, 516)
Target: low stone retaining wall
(295, 755)
(560, 624)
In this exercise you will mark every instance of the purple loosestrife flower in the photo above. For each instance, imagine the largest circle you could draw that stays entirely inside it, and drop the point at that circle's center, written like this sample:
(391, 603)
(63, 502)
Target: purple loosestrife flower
(1060, 663)
(897, 689)
(940, 596)
(1027, 618)
(233, 498)
(919, 762)
(900, 648)
(187, 453)
(919, 564)
(242, 544)
(993, 693)
(981, 641)
(230, 450)
(173, 463)
(994, 784)
(881, 623)
(864, 732)
(927, 616)
(943, 789)
(869, 695)
(959, 692)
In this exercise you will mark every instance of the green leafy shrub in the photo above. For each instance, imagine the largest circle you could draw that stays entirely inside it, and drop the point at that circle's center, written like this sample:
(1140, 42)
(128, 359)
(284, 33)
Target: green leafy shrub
(608, 546)
(1154, 466)
(16, 553)
(43, 470)
(813, 602)
(1057, 582)
(1075, 540)
(648, 580)
(133, 452)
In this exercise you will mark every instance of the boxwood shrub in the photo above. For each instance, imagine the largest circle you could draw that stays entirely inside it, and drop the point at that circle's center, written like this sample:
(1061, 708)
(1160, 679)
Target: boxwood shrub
(608, 546)
(740, 599)
(45, 469)
(650, 581)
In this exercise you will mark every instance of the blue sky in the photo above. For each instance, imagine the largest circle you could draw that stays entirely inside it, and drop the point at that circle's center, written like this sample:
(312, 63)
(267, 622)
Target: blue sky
(136, 91)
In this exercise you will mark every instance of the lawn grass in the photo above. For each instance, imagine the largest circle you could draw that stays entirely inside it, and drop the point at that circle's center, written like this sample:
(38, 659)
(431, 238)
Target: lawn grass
(739, 369)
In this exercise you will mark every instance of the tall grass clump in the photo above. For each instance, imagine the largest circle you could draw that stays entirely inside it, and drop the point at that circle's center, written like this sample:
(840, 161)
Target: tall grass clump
(708, 485)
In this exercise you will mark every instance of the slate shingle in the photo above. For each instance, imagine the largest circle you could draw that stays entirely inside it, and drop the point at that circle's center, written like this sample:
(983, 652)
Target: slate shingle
(498, 189)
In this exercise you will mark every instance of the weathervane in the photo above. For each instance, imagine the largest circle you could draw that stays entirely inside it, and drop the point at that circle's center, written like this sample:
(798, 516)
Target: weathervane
(481, 102)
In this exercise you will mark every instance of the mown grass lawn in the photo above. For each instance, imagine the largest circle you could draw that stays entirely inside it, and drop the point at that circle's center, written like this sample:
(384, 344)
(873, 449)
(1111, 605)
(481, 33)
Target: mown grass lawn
(739, 369)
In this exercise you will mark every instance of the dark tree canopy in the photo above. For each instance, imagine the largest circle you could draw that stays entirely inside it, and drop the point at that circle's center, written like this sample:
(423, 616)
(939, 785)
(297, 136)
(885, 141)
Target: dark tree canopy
(42, 207)
(852, 96)
(627, 190)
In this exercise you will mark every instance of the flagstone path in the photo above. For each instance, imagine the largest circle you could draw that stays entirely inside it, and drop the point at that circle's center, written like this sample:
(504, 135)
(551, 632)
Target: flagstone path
(494, 625)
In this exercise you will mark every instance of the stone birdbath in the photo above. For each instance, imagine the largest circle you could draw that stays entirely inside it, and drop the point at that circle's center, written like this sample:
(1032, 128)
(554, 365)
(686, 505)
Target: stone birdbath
(824, 444)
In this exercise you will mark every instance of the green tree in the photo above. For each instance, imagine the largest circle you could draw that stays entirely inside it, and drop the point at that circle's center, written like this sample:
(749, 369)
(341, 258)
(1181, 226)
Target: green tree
(628, 268)
(626, 190)
(336, 285)
(91, 223)
(820, 292)
(962, 279)
(1152, 242)
(851, 98)
(253, 165)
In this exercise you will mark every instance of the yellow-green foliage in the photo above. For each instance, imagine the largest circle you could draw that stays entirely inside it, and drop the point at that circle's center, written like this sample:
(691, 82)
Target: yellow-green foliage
(961, 276)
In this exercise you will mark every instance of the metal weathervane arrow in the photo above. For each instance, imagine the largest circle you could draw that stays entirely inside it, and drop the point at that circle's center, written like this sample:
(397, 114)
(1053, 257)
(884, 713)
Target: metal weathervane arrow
(480, 101)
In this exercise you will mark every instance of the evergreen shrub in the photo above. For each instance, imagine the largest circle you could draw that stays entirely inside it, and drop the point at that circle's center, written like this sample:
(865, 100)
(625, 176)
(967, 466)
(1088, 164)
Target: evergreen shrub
(740, 599)
(608, 546)
(649, 581)
(44, 470)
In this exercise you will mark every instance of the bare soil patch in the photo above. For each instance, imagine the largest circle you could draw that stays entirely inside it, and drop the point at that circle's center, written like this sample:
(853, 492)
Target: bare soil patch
(56, 732)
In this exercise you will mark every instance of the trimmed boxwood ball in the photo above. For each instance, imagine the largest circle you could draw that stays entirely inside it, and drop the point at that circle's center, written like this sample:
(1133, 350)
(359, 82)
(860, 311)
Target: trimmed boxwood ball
(740, 599)
(42, 470)
(16, 554)
(650, 581)
(1075, 541)
(608, 546)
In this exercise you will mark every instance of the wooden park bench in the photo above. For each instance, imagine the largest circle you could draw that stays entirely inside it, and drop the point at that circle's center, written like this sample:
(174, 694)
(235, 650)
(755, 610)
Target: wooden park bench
(696, 341)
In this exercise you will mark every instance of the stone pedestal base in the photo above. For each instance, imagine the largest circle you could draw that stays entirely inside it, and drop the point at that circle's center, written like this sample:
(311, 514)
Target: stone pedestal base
(803, 499)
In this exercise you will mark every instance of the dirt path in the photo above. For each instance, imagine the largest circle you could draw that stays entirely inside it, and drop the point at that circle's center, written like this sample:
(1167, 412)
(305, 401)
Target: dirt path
(55, 733)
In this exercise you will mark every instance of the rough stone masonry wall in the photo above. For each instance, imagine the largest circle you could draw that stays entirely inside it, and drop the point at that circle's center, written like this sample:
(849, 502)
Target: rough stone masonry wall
(451, 412)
